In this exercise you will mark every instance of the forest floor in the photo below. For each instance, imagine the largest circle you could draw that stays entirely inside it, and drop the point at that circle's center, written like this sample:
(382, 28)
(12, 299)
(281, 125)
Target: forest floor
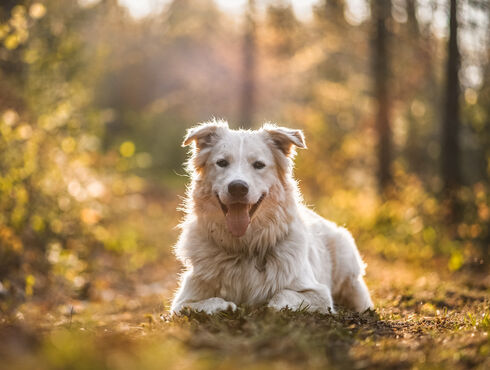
(424, 318)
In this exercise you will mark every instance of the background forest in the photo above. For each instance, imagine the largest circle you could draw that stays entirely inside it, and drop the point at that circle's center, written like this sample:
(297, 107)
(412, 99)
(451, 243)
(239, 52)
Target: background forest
(393, 97)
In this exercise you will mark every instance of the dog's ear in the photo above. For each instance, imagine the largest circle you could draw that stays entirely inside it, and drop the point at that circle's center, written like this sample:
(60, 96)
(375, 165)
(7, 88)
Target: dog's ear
(205, 134)
(285, 139)
(203, 137)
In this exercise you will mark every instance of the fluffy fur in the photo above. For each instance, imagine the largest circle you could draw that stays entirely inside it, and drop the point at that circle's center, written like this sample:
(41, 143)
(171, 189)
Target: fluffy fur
(288, 256)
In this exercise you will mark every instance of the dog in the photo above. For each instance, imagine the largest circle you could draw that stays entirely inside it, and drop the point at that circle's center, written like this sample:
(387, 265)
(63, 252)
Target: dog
(248, 239)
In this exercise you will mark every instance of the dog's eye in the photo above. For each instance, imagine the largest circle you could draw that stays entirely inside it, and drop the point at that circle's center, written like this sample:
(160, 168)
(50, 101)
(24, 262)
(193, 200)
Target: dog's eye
(258, 165)
(222, 163)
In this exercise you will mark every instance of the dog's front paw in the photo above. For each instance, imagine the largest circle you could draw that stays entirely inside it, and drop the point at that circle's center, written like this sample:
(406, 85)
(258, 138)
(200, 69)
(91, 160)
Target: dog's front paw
(213, 305)
(301, 307)
(296, 301)
(209, 306)
(284, 301)
(278, 306)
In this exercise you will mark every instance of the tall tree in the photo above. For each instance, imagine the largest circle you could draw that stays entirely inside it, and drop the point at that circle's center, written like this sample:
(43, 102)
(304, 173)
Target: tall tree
(414, 151)
(450, 151)
(417, 87)
(335, 9)
(381, 13)
(249, 61)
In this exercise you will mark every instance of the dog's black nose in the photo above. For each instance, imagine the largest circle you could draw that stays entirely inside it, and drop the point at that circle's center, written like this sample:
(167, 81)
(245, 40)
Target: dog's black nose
(238, 188)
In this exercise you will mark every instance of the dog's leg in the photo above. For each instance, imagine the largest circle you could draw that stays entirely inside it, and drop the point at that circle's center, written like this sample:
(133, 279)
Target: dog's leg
(318, 299)
(355, 295)
(198, 296)
(349, 288)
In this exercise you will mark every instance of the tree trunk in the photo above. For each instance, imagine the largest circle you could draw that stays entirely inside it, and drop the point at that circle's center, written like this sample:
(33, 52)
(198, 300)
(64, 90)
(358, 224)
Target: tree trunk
(450, 151)
(381, 12)
(335, 9)
(414, 151)
(249, 60)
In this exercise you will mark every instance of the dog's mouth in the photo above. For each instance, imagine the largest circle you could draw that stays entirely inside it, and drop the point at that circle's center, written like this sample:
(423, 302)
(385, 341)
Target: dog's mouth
(238, 215)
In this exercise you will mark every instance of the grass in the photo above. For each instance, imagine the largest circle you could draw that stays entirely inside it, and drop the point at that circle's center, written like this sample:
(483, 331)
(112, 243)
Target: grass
(425, 318)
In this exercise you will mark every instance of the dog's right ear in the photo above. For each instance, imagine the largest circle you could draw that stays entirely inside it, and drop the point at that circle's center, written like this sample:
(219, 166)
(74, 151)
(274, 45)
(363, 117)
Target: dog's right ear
(205, 134)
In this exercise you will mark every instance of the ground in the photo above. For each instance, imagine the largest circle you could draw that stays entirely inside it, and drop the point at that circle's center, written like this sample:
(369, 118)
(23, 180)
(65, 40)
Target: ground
(424, 318)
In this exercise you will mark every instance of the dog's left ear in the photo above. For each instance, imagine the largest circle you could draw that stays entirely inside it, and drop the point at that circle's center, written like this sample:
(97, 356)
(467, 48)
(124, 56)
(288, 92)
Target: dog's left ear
(205, 134)
(285, 139)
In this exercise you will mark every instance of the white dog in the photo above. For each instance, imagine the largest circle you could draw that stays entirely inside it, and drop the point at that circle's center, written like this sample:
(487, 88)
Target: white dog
(248, 239)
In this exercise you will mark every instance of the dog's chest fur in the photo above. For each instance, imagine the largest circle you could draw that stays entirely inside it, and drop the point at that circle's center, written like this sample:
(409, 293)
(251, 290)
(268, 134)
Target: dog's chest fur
(245, 279)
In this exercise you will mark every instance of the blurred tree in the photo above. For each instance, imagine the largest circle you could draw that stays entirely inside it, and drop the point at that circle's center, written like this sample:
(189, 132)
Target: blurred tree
(484, 96)
(484, 136)
(450, 151)
(381, 14)
(249, 66)
(285, 38)
(165, 73)
(46, 142)
(335, 9)
(417, 77)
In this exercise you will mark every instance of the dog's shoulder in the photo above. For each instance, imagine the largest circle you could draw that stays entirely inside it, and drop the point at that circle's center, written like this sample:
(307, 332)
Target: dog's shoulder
(316, 223)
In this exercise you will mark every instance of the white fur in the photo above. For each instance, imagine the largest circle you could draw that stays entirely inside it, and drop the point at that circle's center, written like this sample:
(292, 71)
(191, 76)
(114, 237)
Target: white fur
(288, 257)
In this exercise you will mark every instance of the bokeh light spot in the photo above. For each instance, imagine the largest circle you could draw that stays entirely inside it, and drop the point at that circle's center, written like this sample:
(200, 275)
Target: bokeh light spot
(127, 149)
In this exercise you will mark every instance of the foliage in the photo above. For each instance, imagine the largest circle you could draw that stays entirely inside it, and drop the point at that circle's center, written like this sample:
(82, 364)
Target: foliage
(46, 147)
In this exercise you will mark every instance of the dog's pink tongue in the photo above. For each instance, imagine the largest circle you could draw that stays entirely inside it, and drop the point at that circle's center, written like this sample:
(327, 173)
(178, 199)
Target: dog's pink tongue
(237, 219)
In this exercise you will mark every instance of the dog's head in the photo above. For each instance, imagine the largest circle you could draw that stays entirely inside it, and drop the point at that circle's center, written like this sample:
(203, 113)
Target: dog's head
(240, 167)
